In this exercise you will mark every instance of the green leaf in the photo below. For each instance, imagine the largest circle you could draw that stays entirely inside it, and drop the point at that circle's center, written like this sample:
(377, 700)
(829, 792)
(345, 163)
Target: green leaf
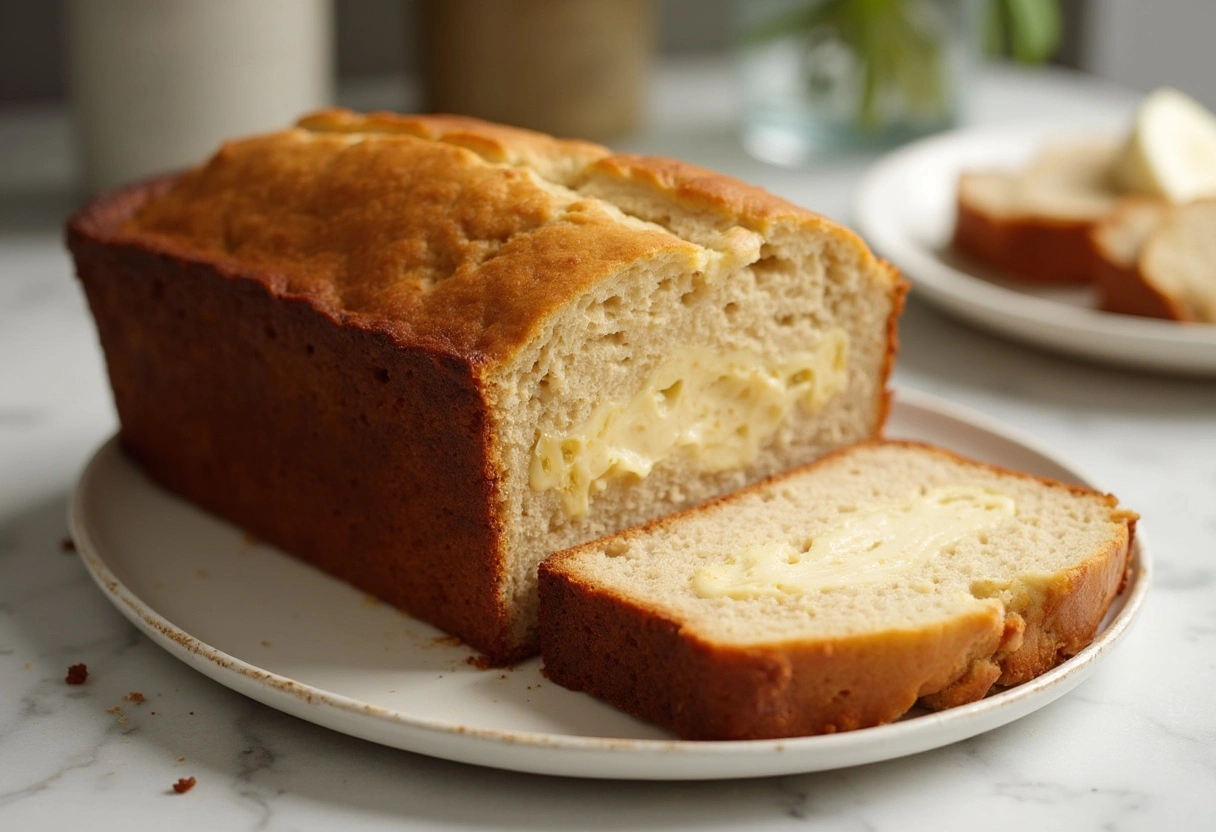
(899, 60)
(1034, 28)
(796, 21)
(994, 29)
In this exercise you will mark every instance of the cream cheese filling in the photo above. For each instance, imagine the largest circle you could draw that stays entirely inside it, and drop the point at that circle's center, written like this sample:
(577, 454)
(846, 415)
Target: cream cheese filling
(875, 545)
(715, 407)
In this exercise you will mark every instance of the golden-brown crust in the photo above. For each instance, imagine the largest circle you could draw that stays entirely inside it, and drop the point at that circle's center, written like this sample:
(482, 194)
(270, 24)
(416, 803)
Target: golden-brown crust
(497, 143)
(700, 189)
(703, 690)
(1038, 249)
(693, 187)
(420, 235)
(449, 229)
(406, 217)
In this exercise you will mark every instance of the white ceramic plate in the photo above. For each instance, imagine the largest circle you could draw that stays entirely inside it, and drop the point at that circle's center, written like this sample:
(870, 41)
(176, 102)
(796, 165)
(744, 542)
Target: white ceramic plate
(297, 640)
(905, 210)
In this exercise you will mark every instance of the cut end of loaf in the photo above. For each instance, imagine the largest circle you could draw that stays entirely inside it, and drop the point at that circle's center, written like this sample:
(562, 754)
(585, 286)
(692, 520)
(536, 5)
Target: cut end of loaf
(998, 602)
(682, 378)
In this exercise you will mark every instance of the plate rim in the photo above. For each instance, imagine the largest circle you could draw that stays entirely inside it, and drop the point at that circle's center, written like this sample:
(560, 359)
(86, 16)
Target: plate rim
(609, 757)
(1001, 308)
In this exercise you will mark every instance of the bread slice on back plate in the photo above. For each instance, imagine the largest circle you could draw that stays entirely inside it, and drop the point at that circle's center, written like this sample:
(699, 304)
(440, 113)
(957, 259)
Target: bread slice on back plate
(1034, 224)
(1118, 240)
(835, 596)
(1179, 260)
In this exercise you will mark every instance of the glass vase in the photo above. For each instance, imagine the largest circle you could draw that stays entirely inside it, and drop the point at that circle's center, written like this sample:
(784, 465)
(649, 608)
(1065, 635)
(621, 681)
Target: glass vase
(827, 76)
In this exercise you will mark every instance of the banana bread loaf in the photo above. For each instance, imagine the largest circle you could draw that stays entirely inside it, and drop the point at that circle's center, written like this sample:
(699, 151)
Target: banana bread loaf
(423, 353)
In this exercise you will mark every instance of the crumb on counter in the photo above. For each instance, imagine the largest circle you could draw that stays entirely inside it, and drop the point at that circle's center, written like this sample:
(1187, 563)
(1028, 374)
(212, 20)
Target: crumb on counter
(67, 545)
(184, 784)
(78, 674)
(134, 696)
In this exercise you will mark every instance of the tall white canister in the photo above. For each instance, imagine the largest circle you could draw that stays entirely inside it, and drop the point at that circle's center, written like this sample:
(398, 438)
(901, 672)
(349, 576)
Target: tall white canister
(157, 84)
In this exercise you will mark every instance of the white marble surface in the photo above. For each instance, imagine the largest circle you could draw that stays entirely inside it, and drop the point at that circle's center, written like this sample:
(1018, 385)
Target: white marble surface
(1133, 748)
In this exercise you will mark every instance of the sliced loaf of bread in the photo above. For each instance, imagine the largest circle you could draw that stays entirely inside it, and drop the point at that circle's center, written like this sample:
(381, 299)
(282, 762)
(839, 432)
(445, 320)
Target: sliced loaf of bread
(425, 352)
(1034, 224)
(836, 596)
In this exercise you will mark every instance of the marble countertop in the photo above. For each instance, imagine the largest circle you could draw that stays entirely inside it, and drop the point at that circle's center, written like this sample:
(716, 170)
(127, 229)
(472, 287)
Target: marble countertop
(1133, 748)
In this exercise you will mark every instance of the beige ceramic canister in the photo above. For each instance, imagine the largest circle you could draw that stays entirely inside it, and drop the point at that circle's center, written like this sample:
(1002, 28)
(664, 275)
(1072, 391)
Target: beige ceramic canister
(157, 84)
(574, 68)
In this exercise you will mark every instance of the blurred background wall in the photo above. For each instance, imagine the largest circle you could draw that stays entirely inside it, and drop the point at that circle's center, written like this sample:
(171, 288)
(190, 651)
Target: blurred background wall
(1139, 43)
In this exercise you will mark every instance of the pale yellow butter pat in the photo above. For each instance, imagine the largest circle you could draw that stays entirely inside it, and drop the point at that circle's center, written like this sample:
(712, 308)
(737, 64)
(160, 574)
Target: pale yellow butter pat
(717, 408)
(877, 545)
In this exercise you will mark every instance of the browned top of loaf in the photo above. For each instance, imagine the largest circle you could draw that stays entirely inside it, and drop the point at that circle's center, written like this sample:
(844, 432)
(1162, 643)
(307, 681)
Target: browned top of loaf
(444, 231)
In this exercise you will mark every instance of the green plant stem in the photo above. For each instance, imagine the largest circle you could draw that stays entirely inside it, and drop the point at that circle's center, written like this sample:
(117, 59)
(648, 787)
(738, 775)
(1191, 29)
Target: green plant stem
(895, 53)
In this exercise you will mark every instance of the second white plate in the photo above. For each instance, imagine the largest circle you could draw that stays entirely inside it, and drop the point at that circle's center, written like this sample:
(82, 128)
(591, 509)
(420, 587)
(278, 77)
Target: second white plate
(283, 633)
(905, 210)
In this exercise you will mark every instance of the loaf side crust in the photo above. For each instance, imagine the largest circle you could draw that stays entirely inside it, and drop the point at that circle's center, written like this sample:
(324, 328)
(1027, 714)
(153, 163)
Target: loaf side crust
(646, 662)
(899, 297)
(332, 441)
(651, 667)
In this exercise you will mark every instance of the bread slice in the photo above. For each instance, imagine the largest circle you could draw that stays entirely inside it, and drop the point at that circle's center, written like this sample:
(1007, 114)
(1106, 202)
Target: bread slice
(1118, 240)
(1179, 260)
(1034, 224)
(835, 596)
(424, 352)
